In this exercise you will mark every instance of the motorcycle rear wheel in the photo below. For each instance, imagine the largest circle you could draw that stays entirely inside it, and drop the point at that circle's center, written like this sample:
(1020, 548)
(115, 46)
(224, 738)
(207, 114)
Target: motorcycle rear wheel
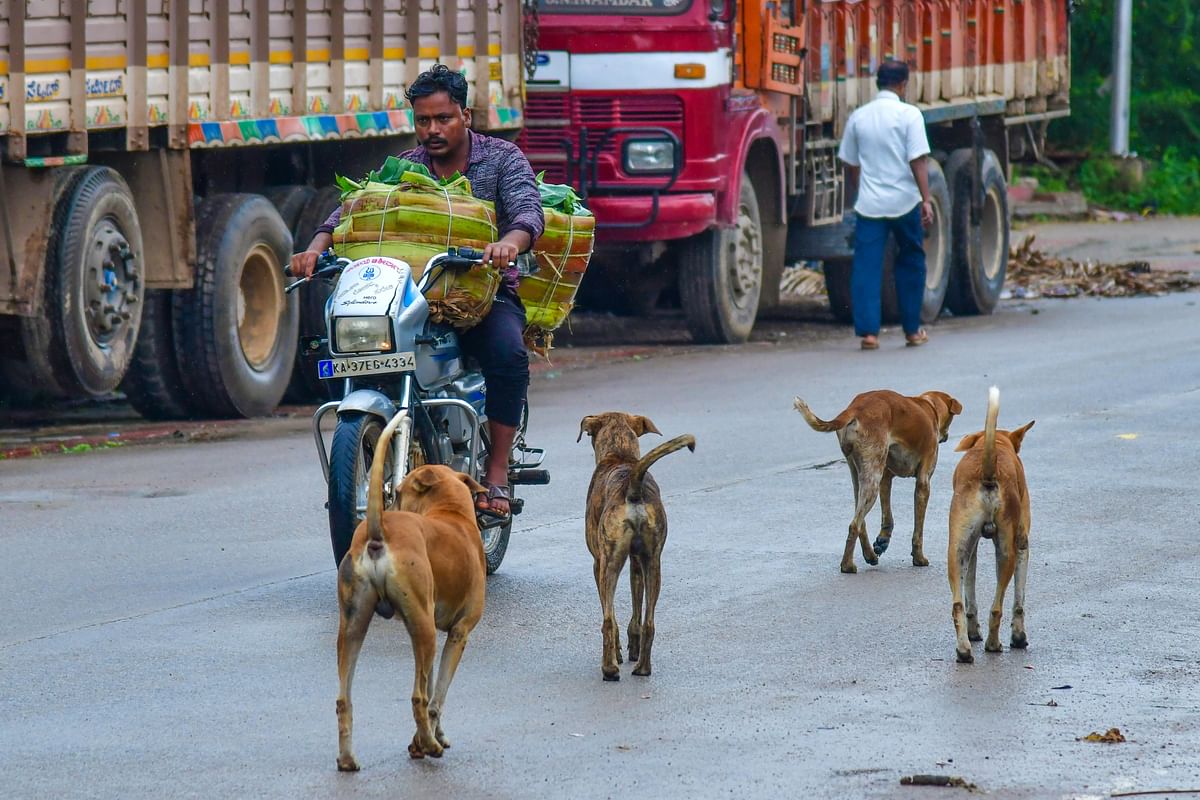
(350, 458)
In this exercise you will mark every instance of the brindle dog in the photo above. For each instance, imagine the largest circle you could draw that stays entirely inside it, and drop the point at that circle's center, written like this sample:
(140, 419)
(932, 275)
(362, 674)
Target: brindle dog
(625, 519)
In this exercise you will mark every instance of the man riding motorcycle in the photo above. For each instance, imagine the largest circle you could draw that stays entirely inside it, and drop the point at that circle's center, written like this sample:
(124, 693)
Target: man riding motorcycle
(499, 172)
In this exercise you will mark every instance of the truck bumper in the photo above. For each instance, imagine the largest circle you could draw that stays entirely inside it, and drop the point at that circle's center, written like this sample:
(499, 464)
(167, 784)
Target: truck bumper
(679, 216)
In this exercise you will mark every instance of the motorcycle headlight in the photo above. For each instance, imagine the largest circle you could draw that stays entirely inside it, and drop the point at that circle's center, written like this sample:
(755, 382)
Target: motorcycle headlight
(649, 155)
(363, 335)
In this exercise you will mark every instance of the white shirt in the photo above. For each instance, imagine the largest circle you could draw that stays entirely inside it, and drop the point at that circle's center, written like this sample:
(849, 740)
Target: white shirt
(881, 138)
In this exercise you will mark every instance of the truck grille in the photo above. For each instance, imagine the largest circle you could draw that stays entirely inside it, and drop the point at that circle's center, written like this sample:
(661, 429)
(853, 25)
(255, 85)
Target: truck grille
(551, 117)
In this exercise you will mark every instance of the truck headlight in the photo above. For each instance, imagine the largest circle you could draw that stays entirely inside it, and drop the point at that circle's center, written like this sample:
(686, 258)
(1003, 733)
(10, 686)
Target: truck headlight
(649, 155)
(363, 335)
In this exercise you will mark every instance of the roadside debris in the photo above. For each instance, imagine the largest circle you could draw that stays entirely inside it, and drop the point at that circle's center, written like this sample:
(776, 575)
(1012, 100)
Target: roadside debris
(1034, 273)
(1111, 736)
(800, 281)
(951, 781)
(1144, 792)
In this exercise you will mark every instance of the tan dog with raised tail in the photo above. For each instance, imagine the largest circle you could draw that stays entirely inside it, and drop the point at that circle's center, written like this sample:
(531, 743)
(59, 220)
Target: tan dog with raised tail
(625, 518)
(884, 435)
(991, 501)
(424, 563)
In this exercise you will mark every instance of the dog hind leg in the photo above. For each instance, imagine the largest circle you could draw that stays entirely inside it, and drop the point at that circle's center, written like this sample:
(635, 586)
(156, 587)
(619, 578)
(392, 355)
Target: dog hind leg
(866, 479)
(958, 557)
(637, 587)
(1019, 639)
(357, 603)
(653, 577)
(1006, 562)
(887, 523)
(456, 642)
(411, 594)
(972, 607)
(608, 573)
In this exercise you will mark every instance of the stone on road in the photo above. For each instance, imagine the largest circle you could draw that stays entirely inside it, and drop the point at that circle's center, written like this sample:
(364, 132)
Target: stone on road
(168, 616)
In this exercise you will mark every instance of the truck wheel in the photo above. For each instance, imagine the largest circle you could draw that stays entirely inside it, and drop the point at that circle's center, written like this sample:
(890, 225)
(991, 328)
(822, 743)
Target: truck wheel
(94, 286)
(841, 299)
(837, 286)
(235, 332)
(979, 253)
(153, 384)
(721, 275)
(937, 245)
(305, 386)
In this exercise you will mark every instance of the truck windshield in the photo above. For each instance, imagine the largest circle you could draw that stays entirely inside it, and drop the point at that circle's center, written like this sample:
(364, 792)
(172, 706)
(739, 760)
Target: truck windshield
(630, 7)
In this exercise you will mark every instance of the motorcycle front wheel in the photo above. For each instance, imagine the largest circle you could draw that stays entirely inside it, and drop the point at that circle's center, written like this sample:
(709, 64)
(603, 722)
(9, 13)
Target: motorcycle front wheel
(350, 458)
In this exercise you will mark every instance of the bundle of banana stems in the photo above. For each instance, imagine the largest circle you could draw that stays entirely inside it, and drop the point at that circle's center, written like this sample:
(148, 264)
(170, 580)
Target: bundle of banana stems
(799, 281)
(1034, 273)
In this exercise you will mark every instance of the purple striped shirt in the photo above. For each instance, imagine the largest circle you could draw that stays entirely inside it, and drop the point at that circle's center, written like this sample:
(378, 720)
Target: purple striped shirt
(498, 172)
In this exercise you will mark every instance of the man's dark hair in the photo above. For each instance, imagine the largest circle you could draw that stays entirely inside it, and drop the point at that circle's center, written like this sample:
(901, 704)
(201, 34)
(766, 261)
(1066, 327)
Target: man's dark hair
(439, 78)
(891, 74)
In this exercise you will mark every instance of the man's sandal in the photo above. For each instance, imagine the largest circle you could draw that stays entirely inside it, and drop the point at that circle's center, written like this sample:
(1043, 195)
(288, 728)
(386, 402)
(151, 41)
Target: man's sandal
(485, 503)
(917, 339)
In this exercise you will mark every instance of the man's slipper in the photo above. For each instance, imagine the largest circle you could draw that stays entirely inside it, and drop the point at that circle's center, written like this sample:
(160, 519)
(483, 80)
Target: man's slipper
(872, 345)
(484, 507)
(917, 339)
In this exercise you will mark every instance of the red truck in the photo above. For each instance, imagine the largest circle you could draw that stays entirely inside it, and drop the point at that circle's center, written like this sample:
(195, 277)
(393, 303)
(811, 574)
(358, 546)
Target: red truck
(704, 135)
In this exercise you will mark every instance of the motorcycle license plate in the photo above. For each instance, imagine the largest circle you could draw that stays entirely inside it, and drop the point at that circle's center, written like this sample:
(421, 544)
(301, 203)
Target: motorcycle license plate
(338, 368)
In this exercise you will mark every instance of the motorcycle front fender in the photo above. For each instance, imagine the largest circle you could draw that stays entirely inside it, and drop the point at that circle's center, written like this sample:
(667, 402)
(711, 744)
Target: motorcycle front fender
(368, 401)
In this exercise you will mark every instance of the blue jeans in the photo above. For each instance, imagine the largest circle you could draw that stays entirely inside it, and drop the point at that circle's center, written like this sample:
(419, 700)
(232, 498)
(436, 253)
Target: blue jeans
(870, 239)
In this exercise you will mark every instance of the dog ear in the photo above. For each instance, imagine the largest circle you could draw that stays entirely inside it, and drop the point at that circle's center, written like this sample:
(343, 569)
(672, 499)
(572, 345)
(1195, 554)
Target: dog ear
(955, 406)
(642, 425)
(968, 441)
(471, 483)
(1018, 436)
(587, 424)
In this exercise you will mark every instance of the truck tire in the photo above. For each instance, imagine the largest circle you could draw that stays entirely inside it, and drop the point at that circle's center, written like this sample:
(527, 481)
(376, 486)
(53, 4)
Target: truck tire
(938, 245)
(153, 384)
(979, 253)
(841, 299)
(235, 331)
(305, 386)
(93, 284)
(721, 275)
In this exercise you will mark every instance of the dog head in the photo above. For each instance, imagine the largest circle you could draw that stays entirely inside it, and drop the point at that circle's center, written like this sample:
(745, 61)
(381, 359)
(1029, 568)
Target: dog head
(945, 408)
(437, 486)
(1012, 437)
(615, 432)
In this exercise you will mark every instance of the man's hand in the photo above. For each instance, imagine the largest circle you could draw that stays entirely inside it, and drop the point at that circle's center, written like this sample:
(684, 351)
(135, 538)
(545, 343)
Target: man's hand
(927, 213)
(304, 264)
(504, 252)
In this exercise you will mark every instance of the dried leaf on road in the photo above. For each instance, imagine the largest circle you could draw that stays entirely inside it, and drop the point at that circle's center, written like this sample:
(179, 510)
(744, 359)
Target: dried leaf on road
(802, 282)
(1035, 273)
(1111, 736)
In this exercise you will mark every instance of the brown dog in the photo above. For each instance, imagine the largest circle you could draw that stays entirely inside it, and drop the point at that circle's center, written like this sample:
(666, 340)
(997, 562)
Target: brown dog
(991, 501)
(426, 563)
(884, 435)
(625, 519)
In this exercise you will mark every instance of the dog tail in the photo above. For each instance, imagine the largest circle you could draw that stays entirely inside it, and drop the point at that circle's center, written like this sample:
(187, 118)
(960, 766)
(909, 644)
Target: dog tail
(989, 439)
(638, 477)
(375, 487)
(818, 424)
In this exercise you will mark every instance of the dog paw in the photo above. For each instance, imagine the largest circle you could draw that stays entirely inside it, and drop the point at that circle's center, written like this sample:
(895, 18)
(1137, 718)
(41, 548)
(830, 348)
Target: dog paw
(418, 749)
(1019, 641)
(849, 569)
(993, 646)
(881, 544)
(964, 656)
(610, 674)
(641, 671)
(920, 561)
(347, 763)
(975, 636)
(874, 562)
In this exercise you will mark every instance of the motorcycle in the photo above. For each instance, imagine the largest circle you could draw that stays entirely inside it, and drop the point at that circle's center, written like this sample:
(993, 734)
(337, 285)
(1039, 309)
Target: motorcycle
(393, 360)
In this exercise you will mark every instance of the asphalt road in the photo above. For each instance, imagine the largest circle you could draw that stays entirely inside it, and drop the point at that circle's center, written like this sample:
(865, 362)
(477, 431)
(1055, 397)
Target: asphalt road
(168, 613)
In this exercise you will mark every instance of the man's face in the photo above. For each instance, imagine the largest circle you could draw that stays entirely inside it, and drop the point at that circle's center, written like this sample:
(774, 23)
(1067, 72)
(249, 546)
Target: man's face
(441, 125)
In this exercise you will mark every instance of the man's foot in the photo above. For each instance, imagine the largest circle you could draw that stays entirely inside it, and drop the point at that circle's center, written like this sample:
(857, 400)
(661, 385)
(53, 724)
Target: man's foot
(869, 342)
(916, 339)
(496, 502)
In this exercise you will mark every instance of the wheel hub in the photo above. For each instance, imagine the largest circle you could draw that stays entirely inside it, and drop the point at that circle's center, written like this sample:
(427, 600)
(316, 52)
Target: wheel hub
(992, 235)
(110, 289)
(746, 262)
(935, 254)
(259, 306)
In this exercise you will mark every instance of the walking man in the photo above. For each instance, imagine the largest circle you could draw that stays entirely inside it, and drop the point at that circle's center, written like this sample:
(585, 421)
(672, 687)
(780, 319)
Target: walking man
(884, 148)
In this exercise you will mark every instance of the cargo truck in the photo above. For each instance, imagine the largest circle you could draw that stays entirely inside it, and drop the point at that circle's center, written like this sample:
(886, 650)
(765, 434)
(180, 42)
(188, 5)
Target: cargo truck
(704, 136)
(159, 158)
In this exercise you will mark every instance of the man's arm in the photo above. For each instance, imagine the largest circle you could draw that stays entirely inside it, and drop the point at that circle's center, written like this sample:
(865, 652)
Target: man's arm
(920, 171)
(303, 264)
(519, 204)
